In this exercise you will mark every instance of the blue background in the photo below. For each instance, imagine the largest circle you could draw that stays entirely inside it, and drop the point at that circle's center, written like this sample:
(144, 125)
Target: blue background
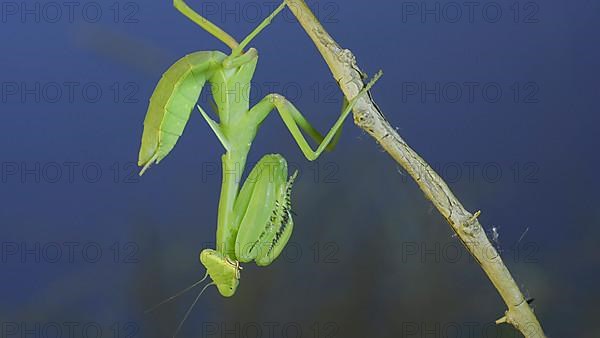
(369, 255)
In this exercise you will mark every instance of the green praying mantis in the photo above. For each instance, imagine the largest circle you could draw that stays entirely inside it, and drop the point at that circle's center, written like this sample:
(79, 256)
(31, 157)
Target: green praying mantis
(254, 223)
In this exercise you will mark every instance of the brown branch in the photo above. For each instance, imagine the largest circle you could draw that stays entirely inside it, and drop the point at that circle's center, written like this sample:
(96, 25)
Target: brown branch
(370, 118)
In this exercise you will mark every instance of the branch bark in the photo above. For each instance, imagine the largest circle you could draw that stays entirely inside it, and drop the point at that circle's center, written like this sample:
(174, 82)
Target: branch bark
(369, 117)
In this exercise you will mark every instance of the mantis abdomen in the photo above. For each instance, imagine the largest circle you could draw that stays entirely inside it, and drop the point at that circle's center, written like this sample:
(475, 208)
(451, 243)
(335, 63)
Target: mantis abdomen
(172, 103)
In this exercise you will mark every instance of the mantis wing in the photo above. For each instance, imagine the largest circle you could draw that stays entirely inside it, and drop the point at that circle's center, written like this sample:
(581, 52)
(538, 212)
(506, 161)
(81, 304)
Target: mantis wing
(172, 102)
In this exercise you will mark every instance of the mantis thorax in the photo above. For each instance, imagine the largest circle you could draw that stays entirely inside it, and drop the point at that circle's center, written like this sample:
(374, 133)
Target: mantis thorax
(231, 90)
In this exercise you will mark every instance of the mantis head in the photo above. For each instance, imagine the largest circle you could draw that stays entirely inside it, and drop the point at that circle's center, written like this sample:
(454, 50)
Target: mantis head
(224, 272)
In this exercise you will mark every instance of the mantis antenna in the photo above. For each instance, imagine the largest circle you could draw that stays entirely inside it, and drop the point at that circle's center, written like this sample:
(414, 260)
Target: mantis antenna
(177, 294)
(187, 314)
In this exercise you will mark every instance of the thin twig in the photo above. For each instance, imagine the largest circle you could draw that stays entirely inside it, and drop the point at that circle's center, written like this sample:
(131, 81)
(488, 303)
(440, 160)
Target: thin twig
(369, 117)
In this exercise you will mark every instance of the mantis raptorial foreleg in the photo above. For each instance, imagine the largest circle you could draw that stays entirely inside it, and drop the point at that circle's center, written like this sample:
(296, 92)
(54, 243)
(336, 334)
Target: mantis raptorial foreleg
(293, 119)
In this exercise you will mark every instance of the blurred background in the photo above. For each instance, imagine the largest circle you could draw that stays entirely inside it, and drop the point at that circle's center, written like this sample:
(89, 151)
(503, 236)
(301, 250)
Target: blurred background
(499, 96)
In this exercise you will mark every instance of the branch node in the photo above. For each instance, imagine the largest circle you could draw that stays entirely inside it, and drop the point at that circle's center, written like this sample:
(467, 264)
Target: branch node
(473, 218)
(467, 227)
(501, 320)
(363, 120)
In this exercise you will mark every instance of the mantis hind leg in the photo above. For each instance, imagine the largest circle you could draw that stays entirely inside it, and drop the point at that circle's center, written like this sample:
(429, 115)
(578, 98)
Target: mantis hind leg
(208, 26)
(338, 133)
(295, 121)
(236, 58)
(239, 49)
